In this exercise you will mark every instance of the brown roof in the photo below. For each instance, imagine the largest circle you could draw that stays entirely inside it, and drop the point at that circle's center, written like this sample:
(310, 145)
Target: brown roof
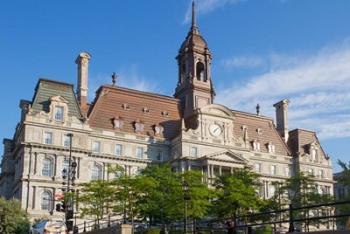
(268, 132)
(132, 106)
(300, 139)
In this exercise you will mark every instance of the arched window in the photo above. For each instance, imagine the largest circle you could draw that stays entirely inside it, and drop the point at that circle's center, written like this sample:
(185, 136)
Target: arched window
(47, 167)
(46, 201)
(200, 72)
(96, 172)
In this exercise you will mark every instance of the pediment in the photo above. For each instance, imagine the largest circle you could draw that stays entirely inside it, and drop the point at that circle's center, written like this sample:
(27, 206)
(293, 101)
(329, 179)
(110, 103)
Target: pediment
(58, 99)
(218, 110)
(227, 156)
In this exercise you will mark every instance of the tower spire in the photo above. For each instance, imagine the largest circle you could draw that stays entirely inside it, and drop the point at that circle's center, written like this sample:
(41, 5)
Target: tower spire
(194, 23)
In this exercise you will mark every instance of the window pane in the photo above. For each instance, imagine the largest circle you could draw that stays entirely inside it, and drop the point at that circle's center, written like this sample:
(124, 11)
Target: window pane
(96, 172)
(47, 167)
(66, 140)
(59, 113)
(160, 156)
(46, 201)
(139, 152)
(65, 166)
(273, 169)
(48, 138)
(118, 150)
(96, 147)
(194, 152)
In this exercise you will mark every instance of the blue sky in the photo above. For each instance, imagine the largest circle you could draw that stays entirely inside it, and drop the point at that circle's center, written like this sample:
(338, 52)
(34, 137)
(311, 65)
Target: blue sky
(263, 51)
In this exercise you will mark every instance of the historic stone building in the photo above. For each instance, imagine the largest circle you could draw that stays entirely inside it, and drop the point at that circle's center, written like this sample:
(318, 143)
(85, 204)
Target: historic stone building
(133, 129)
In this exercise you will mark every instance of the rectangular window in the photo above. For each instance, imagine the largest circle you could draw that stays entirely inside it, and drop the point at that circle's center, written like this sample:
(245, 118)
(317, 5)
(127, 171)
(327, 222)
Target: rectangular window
(160, 156)
(118, 150)
(194, 152)
(311, 171)
(287, 171)
(66, 140)
(59, 113)
(273, 169)
(96, 146)
(258, 167)
(48, 138)
(139, 152)
(321, 174)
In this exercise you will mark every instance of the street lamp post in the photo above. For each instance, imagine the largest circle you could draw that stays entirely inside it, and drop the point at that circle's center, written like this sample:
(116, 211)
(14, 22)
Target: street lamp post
(69, 173)
(186, 198)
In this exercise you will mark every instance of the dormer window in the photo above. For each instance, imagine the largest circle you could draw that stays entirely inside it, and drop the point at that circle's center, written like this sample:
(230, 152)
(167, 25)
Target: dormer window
(58, 108)
(158, 130)
(271, 148)
(145, 110)
(126, 106)
(256, 145)
(165, 113)
(59, 111)
(117, 123)
(139, 126)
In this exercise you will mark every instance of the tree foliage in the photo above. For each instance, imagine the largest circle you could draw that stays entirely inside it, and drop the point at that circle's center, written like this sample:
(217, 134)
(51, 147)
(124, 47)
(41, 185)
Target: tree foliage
(237, 192)
(96, 198)
(13, 220)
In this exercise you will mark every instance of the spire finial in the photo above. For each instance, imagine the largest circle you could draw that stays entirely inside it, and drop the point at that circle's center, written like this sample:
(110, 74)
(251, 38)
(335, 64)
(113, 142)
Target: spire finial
(114, 78)
(194, 24)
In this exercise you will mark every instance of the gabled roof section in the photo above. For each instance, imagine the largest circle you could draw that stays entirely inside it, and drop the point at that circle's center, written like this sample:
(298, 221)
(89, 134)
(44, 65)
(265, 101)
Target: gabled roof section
(132, 106)
(261, 129)
(48, 89)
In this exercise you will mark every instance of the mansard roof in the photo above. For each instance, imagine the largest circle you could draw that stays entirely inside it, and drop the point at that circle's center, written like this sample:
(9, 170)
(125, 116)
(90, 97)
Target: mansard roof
(300, 140)
(261, 129)
(131, 106)
(46, 89)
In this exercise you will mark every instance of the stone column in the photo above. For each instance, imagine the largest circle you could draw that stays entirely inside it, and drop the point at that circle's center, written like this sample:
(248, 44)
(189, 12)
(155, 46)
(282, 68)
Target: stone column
(212, 171)
(220, 170)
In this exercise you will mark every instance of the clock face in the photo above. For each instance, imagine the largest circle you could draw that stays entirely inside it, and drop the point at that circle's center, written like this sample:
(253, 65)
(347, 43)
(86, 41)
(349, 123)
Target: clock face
(215, 130)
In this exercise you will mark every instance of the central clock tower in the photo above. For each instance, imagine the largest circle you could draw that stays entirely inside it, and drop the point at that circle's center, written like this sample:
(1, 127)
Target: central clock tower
(194, 87)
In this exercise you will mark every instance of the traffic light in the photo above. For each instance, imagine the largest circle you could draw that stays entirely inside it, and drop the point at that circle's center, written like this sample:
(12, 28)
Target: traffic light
(61, 207)
(58, 207)
(64, 205)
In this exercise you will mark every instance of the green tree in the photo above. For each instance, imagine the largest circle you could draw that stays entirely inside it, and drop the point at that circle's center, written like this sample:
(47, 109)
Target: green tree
(237, 192)
(12, 218)
(199, 194)
(160, 202)
(302, 190)
(344, 180)
(96, 198)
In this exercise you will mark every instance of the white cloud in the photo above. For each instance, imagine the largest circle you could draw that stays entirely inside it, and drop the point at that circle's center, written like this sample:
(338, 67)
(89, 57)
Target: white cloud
(206, 6)
(318, 87)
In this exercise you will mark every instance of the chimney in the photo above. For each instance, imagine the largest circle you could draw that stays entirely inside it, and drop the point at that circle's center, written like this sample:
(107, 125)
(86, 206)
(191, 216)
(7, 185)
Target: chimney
(282, 118)
(83, 69)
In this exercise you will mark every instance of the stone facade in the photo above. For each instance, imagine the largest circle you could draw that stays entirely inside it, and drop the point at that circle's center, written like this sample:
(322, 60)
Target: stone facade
(133, 129)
